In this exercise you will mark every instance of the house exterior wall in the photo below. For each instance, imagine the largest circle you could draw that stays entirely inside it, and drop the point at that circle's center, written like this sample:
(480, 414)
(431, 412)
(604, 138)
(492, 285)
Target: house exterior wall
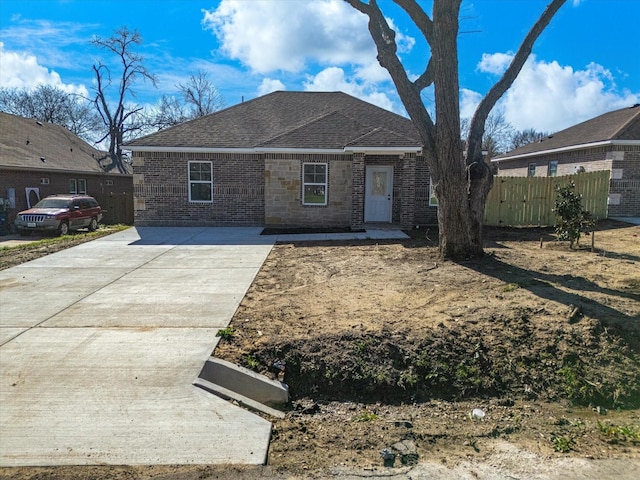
(622, 161)
(161, 190)
(58, 183)
(266, 190)
(425, 214)
(624, 193)
(283, 192)
(568, 163)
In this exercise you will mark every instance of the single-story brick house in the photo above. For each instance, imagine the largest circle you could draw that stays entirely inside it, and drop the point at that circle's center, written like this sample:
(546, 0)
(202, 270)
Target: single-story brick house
(39, 159)
(286, 159)
(607, 142)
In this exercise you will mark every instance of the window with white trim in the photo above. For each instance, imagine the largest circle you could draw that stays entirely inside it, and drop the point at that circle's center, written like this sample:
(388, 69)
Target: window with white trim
(531, 172)
(82, 186)
(433, 201)
(201, 182)
(314, 183)
(553, 169)
(73, 185)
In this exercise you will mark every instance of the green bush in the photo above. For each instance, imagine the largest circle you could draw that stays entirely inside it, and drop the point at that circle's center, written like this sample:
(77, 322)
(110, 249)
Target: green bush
(571, 219)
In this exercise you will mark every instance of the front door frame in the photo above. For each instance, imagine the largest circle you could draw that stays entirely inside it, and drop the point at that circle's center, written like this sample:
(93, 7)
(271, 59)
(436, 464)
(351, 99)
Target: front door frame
(378, 210)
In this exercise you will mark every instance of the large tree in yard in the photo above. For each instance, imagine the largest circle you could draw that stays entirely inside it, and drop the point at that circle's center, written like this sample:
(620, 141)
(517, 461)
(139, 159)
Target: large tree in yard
(461, 178)
(118, 114)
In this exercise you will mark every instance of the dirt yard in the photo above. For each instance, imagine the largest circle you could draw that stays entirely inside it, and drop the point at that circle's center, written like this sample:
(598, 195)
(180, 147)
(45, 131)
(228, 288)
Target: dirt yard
(384, 346)
(384, 343)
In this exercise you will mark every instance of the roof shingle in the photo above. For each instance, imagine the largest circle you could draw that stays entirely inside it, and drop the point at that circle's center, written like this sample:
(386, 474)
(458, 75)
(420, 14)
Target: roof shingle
(24, 142)
(623, 124)
(307, 120)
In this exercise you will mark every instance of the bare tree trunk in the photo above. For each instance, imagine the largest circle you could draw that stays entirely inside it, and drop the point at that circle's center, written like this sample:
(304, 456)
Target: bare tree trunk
(462, 180)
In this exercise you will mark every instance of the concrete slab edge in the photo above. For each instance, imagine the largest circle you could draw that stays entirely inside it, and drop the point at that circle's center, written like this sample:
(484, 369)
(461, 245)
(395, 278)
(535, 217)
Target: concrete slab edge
(227, 394)
(245, 382)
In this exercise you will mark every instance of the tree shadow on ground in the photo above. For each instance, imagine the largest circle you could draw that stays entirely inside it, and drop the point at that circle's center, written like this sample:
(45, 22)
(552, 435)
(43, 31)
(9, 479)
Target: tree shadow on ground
(547, 285)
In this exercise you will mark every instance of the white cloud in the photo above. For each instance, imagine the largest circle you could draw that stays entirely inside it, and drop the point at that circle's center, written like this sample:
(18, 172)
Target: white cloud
(469, 100)
(551, 97)
(334, 79)
(547, 96)
(269, 85)
(21, 70)
(495, 63)
(268, 36)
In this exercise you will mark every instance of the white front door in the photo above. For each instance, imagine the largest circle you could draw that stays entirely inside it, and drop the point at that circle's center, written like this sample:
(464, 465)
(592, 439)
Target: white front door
(378, 194)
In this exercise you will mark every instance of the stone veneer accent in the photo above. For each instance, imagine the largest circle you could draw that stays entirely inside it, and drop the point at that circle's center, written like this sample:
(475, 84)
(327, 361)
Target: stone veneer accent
(283, 192)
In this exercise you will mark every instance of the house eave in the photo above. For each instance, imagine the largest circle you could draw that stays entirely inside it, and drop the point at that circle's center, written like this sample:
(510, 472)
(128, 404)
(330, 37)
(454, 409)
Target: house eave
(259, 150)
(582, 146)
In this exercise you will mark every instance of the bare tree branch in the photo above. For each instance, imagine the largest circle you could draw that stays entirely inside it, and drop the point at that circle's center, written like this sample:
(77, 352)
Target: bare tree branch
(474, 141)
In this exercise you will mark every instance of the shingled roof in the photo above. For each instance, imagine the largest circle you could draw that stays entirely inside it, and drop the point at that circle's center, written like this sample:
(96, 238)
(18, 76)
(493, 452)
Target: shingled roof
(617, 126)
(290, 120)
(28, 144)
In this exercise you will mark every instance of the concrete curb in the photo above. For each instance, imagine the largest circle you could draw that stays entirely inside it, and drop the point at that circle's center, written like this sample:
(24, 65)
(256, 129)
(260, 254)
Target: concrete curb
(250, 389)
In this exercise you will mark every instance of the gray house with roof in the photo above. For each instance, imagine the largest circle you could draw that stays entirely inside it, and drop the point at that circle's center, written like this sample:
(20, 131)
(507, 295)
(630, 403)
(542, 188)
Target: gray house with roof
(608, 142)
(286, 159)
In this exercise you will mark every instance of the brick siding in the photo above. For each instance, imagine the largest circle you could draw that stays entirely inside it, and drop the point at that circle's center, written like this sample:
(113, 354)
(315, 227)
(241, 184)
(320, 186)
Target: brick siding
(161, 195)
(252, 189)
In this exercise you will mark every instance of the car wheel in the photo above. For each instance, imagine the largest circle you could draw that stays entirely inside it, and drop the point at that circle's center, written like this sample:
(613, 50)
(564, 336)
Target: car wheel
(93, 225)
(63, 228)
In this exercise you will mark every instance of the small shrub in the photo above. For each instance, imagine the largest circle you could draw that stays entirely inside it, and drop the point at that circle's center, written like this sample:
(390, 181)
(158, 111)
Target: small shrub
(226, 333)
(571, 219)
(251, 362)
(563, 444)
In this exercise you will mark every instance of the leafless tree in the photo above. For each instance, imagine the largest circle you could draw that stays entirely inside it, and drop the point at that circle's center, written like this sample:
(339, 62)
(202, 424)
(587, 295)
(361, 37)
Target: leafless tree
(497, 136)
(199, 97)
(462, 180)
(121, 118)
(51, 104)
(521, 138)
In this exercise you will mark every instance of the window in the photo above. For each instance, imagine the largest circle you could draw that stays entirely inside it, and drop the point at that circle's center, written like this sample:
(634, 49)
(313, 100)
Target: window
(82, 186)
(553, 169)
(108, 183)
(44, 181)
(314, 184)
(532, 170)
(200, 182)
(433, 201)
(73, 186)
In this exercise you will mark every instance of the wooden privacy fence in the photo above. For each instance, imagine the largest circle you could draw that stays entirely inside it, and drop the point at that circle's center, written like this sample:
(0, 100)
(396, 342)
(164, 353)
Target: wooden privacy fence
(529, 201)
(116, 208)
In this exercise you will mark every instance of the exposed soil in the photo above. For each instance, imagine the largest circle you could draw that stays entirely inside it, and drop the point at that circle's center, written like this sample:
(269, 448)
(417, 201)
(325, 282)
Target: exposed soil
(386, 347)
(383, 342)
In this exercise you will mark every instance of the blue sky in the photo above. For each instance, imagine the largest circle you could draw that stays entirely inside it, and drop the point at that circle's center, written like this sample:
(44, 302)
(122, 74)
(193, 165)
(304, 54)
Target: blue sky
(584, 64)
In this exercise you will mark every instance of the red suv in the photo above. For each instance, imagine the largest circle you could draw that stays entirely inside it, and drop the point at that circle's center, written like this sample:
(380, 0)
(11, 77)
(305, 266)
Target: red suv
(60, 214)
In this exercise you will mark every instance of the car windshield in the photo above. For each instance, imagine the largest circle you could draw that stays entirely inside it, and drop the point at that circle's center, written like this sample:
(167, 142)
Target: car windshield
(52, 203)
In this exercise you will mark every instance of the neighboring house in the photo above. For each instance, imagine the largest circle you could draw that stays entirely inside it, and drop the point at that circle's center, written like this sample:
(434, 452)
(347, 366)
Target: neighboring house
(39, 159)
(608, 142)
(287, 159)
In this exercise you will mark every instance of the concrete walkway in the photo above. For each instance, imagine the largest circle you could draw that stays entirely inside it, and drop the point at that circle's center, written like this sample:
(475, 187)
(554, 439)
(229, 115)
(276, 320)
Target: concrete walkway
(100, 344)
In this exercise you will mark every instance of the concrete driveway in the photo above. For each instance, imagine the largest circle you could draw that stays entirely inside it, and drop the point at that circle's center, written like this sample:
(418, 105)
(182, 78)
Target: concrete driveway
(100, 344)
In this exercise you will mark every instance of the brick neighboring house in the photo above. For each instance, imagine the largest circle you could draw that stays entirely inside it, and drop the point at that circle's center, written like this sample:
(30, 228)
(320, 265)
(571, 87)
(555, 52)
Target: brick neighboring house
(607, 142)
(286, 159)
(39, 159)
